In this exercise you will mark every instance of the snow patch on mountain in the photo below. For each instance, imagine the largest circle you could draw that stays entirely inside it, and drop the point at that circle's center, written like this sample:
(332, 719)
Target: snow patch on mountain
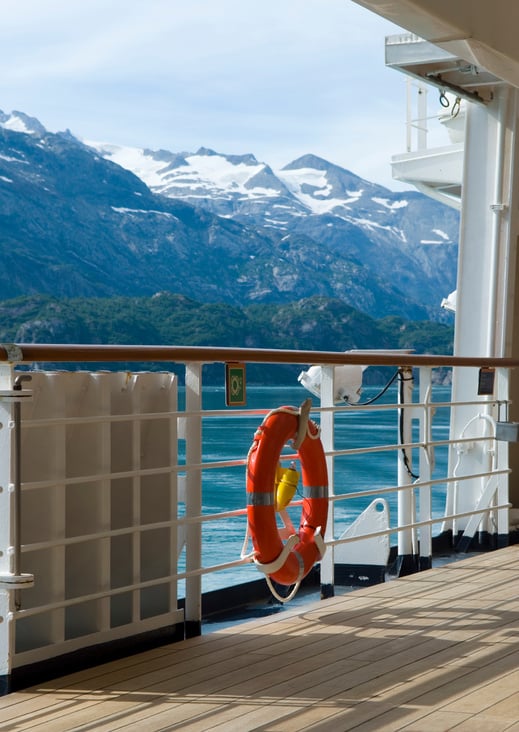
(20, 122)
(132, 158)
(218, 170)
(133, 211)
(200, 173)
(392, 205)
(312, 187)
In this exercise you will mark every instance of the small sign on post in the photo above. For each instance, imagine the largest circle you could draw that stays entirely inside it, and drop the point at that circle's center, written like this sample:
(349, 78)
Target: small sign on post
(235, 386)
(486, 381)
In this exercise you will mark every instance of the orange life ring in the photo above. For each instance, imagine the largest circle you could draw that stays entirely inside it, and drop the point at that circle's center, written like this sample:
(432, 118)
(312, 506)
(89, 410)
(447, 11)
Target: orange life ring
(287, 563)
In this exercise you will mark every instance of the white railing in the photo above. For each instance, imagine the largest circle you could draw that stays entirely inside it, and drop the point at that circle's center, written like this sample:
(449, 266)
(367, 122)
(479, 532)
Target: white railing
(104, 517)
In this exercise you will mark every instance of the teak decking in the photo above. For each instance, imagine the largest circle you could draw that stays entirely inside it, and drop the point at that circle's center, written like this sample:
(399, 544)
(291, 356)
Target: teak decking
(435, 651)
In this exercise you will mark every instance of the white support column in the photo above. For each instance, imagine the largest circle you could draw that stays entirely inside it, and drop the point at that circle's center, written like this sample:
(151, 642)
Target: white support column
(406, 560)
(425, 468)
(6, 529)
(193, 611)
(136, 427)
(328, 441)
(172, 396)
(502, 463)
(104, 385)
(486, 268)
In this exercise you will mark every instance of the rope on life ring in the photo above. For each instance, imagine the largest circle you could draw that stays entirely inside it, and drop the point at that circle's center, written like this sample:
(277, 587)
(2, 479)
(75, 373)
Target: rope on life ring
(286, 563)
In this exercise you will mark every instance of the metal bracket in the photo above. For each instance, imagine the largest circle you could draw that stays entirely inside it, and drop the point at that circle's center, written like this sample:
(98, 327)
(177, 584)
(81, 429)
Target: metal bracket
(507, 431)
(14, 352)
(16, 581)
(304, 413)
(15, 395)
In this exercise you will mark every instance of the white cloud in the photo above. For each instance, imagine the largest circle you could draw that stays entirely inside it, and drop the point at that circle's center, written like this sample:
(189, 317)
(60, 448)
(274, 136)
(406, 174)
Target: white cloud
(278, 78)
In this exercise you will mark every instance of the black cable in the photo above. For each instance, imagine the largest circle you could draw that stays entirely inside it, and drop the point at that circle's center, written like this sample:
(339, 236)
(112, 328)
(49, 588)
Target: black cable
(402, 378)
(401, 423)
(377, 396)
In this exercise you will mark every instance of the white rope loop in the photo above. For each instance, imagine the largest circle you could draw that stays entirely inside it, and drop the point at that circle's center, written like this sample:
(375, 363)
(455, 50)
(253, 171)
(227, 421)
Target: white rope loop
(279, 597)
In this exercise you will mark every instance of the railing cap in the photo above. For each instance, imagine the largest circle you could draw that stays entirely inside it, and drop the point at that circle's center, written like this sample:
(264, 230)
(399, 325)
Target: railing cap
(83, 353)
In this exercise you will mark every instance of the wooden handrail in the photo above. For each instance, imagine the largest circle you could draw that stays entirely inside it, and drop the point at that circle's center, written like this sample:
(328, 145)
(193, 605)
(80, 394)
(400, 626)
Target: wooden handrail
(82, 353)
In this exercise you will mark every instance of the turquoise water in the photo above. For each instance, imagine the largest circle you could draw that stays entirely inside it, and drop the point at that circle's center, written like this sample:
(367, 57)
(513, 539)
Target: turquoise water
(223, 489)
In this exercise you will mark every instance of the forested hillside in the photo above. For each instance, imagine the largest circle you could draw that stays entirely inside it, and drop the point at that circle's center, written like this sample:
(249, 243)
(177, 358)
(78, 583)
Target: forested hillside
(168, 319)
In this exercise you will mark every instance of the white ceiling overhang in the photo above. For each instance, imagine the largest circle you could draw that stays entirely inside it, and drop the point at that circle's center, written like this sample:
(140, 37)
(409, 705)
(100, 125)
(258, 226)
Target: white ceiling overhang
(481, 32)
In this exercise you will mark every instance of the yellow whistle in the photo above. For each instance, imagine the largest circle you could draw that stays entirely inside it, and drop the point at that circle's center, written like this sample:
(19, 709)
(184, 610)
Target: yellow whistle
(287, 480)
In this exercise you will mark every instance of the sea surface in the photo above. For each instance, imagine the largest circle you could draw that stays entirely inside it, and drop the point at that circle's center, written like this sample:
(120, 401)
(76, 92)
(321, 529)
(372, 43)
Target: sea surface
(230, 437)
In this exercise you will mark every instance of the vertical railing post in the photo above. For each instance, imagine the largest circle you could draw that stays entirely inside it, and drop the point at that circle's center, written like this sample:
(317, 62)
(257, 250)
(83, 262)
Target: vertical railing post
(6, 530)
(11, 578)
(327, 438)
(502, 463)
(426, 466)
(406, 559)
(193, 434)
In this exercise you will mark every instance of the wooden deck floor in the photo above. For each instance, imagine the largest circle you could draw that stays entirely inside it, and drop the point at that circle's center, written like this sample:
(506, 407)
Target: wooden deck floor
(435, 651)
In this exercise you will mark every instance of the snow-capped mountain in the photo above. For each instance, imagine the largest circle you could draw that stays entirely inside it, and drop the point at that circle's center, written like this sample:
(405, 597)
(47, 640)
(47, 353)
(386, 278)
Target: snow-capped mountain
(230, 185)
(394, 234)
(101, 219)
(20, 122)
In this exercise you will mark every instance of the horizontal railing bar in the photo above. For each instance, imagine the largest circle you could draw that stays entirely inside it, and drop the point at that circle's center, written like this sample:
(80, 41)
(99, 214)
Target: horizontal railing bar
(139, 416)
(234, 413)
(237, 462)
(205, 518)
(374, 534)
(418, 484)
(419, 524)
(408, 445)
(359, 408)
(79, 353)
(102, 477)
(100, 595)
(107, 534)
(101, 418)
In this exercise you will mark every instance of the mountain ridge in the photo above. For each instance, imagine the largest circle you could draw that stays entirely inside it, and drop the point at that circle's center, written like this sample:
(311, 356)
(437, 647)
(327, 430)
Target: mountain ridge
(76, 221)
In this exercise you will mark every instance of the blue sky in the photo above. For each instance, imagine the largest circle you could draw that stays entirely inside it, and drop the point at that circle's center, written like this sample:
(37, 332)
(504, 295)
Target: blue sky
(276, 78)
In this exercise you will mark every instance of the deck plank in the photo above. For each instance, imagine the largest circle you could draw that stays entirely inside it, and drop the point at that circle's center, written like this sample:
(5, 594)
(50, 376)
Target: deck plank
(434, 651)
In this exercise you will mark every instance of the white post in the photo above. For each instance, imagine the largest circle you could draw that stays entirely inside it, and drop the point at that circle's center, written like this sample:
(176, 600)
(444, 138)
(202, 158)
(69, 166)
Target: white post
(486, 266)
(406, 560)
(6, 530)
(193, 611)
(502, 463)
(327, 439)
(426, 467)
